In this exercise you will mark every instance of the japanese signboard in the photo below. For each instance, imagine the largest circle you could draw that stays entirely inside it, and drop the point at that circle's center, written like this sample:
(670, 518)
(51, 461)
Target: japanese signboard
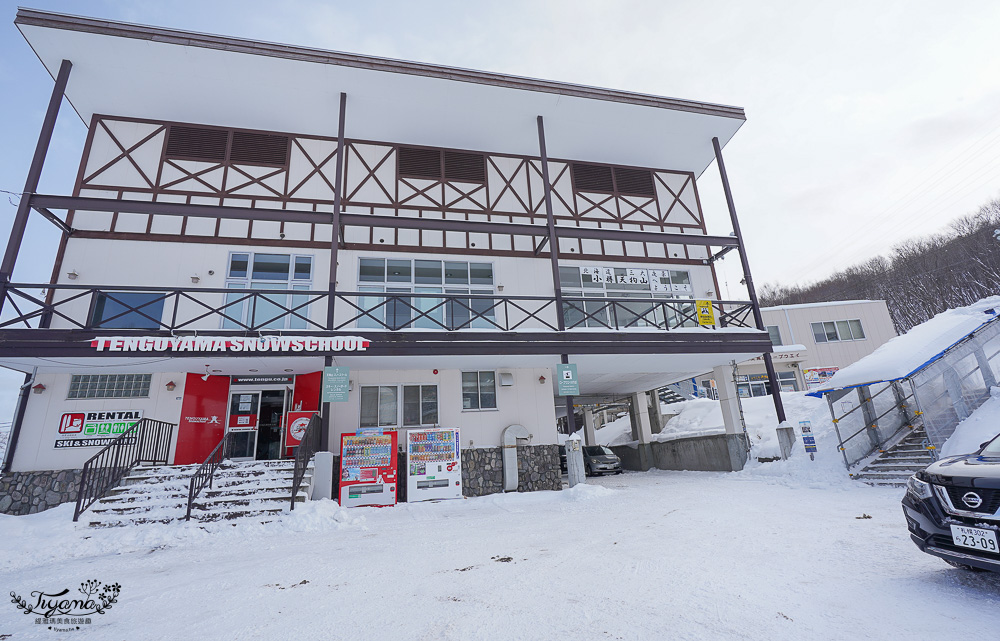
(706, 312)
(567, 382)
(336, 384)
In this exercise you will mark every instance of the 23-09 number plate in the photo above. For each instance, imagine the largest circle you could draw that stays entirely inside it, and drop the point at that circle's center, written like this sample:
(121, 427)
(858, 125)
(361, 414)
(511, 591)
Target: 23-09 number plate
(975, 538)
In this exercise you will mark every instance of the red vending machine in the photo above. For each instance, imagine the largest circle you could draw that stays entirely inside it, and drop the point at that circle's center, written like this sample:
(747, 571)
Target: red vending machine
(367, 469)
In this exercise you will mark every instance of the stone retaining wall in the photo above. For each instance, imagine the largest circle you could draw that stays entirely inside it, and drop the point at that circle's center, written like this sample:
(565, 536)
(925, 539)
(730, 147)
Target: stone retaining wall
(537, 469)
(30, 492)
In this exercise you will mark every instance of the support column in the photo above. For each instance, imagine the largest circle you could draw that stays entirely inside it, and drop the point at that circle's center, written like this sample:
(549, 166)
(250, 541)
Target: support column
(334, 248)
(653, 408)
(554, 259)
(641, 431)
(17, 234)
(772, 378)
(729, 399)
(984, 368)
(31, 182)
(589, 430)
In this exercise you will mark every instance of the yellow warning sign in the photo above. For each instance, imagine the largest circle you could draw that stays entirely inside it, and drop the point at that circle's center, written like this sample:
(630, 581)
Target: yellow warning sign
(706, 313)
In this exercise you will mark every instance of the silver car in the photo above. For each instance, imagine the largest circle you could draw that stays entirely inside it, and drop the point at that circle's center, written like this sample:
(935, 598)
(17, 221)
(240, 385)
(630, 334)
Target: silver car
(599, 460)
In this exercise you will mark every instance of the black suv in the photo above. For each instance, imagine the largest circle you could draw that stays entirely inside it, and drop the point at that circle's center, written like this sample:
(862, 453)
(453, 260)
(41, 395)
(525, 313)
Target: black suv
(952, 508)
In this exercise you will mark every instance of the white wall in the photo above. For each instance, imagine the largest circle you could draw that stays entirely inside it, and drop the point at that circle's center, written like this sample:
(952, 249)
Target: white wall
(526, 403)
(794, 323)
(40, 429)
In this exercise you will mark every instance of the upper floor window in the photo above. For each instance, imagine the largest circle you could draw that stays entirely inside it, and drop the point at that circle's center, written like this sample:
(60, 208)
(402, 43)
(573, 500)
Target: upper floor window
(267, 271)
(109, 385)
(127, 310)
(834, 331)
(774, 334)
(425, 277)
(622, 282)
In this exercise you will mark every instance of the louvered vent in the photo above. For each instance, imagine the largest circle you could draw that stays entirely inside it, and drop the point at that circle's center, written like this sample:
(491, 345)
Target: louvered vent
(636, 182)
(419, 163)
(592, 178)
(259, 149)
(197, 143)
(464, 167)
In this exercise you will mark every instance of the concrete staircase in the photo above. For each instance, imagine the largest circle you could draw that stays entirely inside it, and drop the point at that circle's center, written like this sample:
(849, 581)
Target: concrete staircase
(896, 464)
(158, 494)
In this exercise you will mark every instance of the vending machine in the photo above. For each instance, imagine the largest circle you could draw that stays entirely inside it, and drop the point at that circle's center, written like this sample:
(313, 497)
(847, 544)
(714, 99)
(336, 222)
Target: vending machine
(434, 464)
(367, 469)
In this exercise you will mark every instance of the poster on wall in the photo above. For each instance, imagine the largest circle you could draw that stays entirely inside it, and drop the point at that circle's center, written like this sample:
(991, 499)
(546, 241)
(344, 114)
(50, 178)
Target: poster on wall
(94, 429)
(295, 429)
(818, 376)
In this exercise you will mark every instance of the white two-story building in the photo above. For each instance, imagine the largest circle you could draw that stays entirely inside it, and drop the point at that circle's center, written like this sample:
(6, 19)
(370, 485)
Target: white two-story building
(248, 213)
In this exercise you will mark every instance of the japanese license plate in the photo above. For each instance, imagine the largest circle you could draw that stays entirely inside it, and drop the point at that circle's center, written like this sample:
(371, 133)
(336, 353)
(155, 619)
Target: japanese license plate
(975, 538)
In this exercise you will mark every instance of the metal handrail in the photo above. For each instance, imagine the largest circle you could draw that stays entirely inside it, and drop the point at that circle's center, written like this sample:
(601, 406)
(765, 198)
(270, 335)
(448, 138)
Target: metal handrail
(491, 311)
(306, 449)
(205, 473)
(148, 441)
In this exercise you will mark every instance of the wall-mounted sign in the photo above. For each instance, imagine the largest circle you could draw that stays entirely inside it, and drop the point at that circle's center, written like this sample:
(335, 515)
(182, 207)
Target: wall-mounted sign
(818, 376)
(261, 380)
(94, 429)
(567, 381)
(336, 384)
(231, 345)
(295, 428)
(706, 312)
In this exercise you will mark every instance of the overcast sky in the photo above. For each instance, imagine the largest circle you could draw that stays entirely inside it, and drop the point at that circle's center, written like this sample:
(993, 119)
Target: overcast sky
(867, 122)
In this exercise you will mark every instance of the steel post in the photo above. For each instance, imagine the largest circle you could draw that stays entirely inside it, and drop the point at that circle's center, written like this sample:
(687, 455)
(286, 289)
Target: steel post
(772, 378)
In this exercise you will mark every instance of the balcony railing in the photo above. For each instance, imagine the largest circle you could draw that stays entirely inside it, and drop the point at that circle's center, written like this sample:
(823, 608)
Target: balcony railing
(88, 307)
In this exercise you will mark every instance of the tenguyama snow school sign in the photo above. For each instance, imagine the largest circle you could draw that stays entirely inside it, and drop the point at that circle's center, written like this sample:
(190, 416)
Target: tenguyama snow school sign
(226, 344)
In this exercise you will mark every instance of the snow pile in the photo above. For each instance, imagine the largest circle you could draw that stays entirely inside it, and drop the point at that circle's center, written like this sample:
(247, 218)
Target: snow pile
(52, 535)
(904, 354)
(4, 439)
(981, 426)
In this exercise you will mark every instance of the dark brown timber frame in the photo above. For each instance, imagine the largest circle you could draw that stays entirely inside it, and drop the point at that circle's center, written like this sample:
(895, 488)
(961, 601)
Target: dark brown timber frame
(554, 254)
(21, 223)
(335, 242)
(772, 378)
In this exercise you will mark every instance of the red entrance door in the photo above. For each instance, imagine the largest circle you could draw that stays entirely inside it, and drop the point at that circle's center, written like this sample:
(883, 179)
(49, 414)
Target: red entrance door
(203, 418)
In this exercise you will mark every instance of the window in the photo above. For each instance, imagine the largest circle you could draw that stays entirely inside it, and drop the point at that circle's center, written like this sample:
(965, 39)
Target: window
(380, 405)
(128, 310)
(479, 391)
(772, 331)
(267, 271)
(621, 282)
(400, 277)
(109, 385)
(834, 331)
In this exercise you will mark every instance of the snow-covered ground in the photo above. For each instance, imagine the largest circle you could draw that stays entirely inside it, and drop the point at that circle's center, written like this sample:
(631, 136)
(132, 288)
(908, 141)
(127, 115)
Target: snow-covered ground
(654, 555)
(702, 416)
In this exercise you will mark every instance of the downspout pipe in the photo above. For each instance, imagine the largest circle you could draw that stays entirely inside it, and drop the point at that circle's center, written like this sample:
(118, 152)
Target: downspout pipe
(15, 430)
(510, 435)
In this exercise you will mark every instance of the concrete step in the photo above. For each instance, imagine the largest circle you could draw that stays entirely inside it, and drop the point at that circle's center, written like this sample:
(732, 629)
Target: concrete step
(888, 466)
(882, 476)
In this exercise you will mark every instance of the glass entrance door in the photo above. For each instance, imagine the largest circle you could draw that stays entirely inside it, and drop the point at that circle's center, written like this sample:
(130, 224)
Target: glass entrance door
(244, 410)
(272, 410)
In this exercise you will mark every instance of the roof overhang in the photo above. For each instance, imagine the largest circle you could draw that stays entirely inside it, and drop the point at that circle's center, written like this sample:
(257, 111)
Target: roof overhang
(166, 74)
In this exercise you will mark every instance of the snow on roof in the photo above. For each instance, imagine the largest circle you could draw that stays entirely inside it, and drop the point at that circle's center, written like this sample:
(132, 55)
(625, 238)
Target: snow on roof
(823, 304)
(904, 355)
